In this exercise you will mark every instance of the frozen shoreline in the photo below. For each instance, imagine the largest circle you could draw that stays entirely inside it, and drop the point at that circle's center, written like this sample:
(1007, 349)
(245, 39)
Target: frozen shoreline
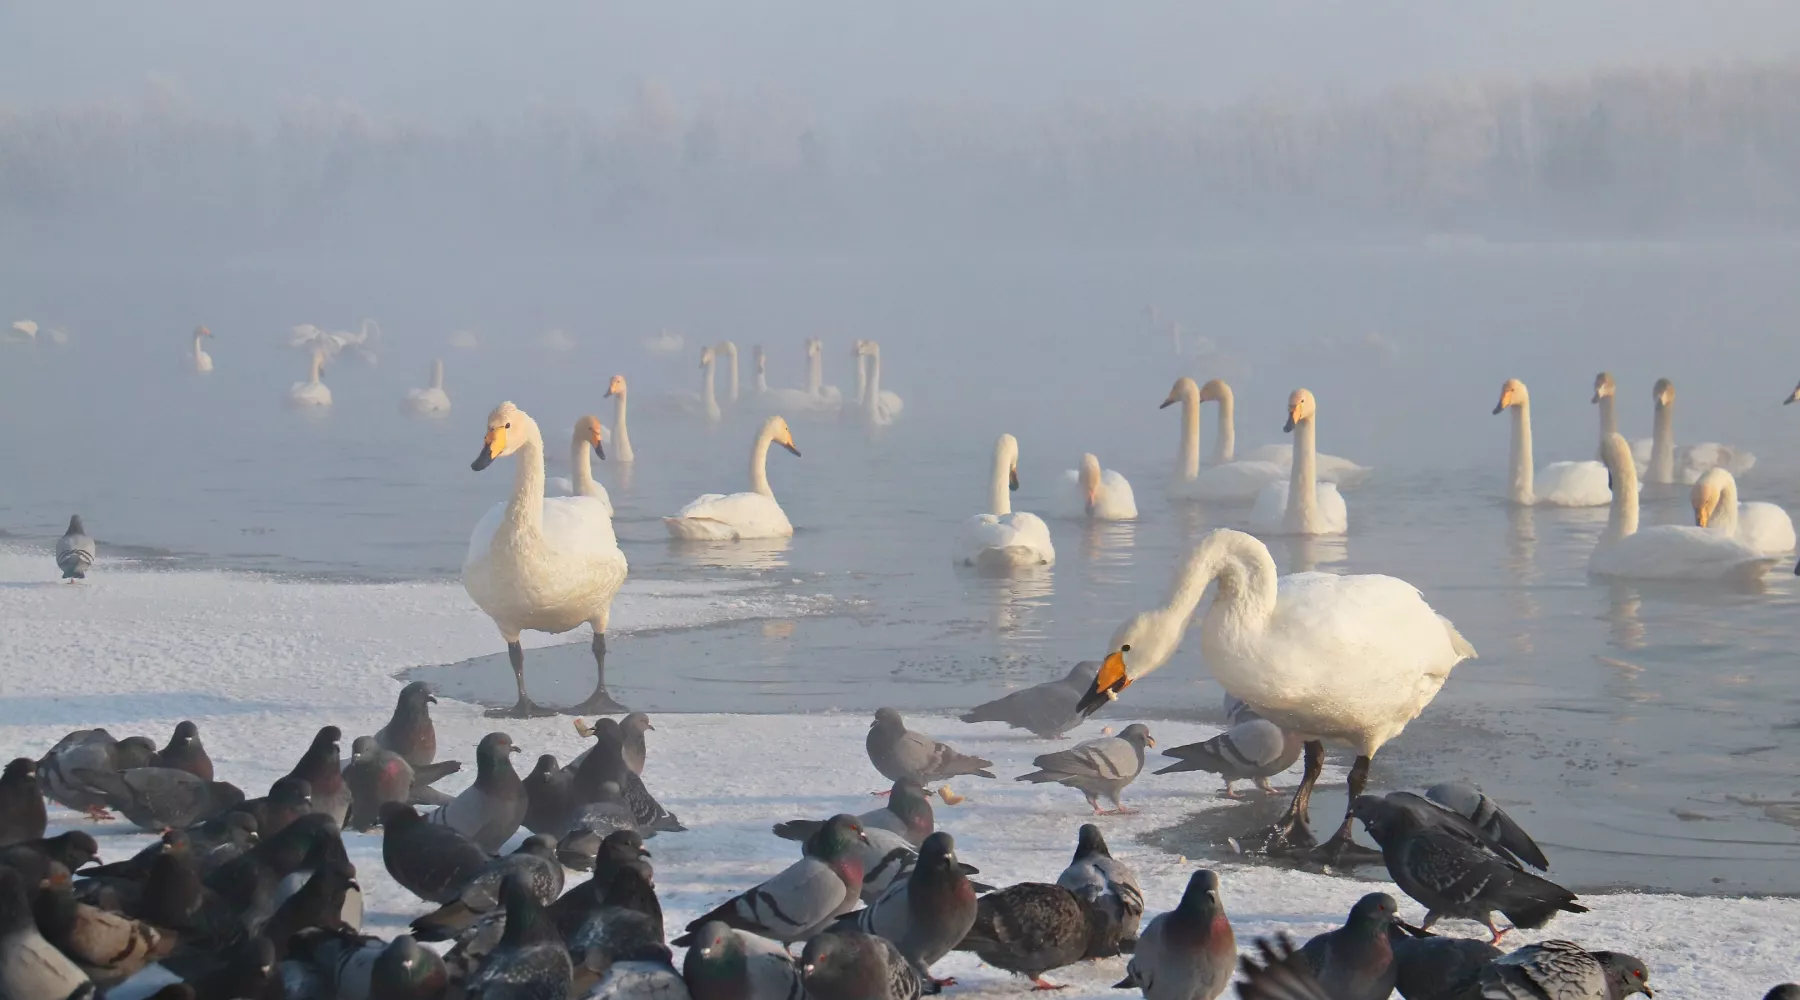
(261, 664)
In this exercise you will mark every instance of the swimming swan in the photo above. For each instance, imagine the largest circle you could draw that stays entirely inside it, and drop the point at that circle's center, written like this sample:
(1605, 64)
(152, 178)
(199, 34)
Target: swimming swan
(729, 349)
(1002, 540)
(587, 441)
(432, 400)
(1097, 495)
(542, 563)
(879, 406)
(1224, 479)
(703, 404)
(815, 375)
(201, 360)
(1763, 527)
(1348, 660)
(1667, 464)
(1565, 484)
(1662, 551)
(615, 390)
(792, 400)
(722, 518)
(1302, 505)
(312, 392)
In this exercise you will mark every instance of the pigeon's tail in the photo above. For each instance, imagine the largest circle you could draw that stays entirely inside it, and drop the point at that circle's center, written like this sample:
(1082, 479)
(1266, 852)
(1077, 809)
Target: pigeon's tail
(1039, 777)
(667, 823)
(1283, 973)
(993, 711)
(443, 923)
(798, 829)
(74, 565)
(429, 774)
(1216, 756)
(964, 764)
(1530, 902)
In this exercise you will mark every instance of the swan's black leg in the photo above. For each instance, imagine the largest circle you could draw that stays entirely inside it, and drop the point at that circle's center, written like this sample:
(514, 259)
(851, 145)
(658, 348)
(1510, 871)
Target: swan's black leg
(600, 702)
(526, 708)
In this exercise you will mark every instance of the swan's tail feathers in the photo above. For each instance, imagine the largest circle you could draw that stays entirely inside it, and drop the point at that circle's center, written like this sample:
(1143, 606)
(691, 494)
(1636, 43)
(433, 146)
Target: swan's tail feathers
(1007, 557)
(1751, 570)
(1530, 902)
(1457, 642)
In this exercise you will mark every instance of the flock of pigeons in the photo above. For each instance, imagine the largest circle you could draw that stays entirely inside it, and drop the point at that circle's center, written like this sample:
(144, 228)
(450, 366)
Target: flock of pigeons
(247, 899)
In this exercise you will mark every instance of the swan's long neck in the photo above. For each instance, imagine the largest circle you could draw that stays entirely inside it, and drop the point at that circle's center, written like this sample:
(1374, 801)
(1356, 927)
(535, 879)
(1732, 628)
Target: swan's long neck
(1225, 449)
(621, 437)
(1622, 516)
(1522, 483)
(730, 350)
(525, 511)
(1190, 436)
(1303, 480)
(318, 366)
(872, 398)
(437, 375)
(581, 460)
(197, 351)
(1000, 498)
(1609, 418)
(759, 464)
(706, 395)
(1725, 517)
(762, 380)
(1662, 445)
(1244, 601)
(862, 377)
(815, 373)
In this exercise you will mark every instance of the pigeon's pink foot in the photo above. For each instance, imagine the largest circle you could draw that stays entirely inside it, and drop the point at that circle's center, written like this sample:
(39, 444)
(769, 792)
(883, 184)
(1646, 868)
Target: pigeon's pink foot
(98, 814)
(1041, 984)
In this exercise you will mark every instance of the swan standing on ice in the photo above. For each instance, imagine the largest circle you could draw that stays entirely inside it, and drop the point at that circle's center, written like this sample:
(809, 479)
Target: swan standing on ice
(1348, 660)
(1003, 540)
(201, 360)
(1565, 484)
(1225, 479)
(544, 564)
(586, 442)
(621, 438)
(312, 392)
(879, 406)
(1097, 495)
(1763, 527)
(722, 518)
(432, 400)
(1662, 551)
(1302, 505)
(1666, 464)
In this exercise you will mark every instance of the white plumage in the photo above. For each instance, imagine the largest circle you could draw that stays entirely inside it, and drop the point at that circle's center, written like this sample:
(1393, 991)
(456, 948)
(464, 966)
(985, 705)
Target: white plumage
(1662, 551)
(726, 517)
(1004, 540)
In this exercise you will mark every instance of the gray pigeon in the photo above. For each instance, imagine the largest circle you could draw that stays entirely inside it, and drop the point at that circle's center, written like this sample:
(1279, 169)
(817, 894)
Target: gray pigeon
(409, 732)
(530, 962)
(1029, 929)
(886, 858)
(1252, 748)
(534, 863)
(490, 810)
(1441, 859)
(432, 862)
(1187, 953)
(1046, 709)
(162, 798)
(851, 965)
(74, 551)
(1496, 826)
(1563, 970)
(31, 967)
(908, 813)
(95, 750)
(632, 727)
(646, 974)
(340, 964)
(805, 897)
(375, 777)
(605, 763)
(1108, 889)
(1357, 959)
(322, 770)
(22, 815)
(1438, 968)
(1098, 768)
(724, 963)
(928, 914)
(898, 752)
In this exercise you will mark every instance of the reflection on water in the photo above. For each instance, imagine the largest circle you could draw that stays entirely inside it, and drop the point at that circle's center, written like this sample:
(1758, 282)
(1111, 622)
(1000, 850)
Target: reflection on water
(1623, 601)
(1015, 603)
(1106, 546)
(743, 554)
(1311, 553)
(1521, 570)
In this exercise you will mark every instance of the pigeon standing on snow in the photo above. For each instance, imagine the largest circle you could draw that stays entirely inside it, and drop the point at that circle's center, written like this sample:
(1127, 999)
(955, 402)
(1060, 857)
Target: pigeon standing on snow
(530, 962)
(1357, 959)
(534, 862)
(1046, 709)
(289, 799)
(898, 752)
(22, 815)
(724, 963)
(1565, 971)
(1108, 889)
(1029, 928)
(318, 767)
(74, 551)
(549, 797)
(605, 764)
(94, 750)
(490, 810)
(162, 798)
(805, 897)
(851, 965)
(1438, 968)
(1253, 748)
(1442, 860)
(1187, 953)
(928, 914)
(185, 752)
(1097, 768)
(409, 732)
(1496, 826)
(375, 777)
(30, 966)
(632, 727)
(908, 813)
(430, 861)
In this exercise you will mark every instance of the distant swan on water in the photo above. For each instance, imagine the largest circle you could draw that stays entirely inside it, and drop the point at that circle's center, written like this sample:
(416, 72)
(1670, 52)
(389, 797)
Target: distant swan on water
(1764, 527)
(431, 400)
(312, 392)
(1225, 479)
(1662, 551)
(1002, 539)
(587, 441)
(200, 360)
(721, 517)
(1097, 494)
(1559, 484)
(1302, 505)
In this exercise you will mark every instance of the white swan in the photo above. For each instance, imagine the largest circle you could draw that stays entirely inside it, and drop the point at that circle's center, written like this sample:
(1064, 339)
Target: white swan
(312, 392)
(1001, 539)
(1605, 392)
(879, 406)
(587, 441)
(807, 400)
(1764, 528)
(1097, 495)
(621, 437)
(544, 564)
(815, 375)
(729, 349)
(1664, 463)
(722, 518)
(1662, 551)
(1564, 484)
(1225, 479)
(1792, 396)
(703, 404)
(431, 400)
(201, 361)
(1348, 660)
(1302, 505)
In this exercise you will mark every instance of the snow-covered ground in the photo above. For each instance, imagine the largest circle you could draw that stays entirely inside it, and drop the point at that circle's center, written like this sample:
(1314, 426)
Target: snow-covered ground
(261, 664)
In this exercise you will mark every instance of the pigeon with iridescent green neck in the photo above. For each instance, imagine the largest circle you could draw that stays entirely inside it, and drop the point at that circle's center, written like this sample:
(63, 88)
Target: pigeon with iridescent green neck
(804, 898)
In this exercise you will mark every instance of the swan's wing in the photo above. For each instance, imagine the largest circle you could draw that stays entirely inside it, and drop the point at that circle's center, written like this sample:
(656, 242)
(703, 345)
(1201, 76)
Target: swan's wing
(579, 526)
(1332, 508)
(483, 535)
(1573, 484)
(1119, 500)
(1377, 626)
(1030, 531)
(1676, 552)
(1765, 527)
(1271, 506)
(737, 509)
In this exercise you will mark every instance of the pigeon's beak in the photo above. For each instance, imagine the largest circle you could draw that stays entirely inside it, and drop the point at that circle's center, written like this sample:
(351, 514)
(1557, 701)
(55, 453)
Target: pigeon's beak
(1149, 741)
(1111, 679)
(431, 699)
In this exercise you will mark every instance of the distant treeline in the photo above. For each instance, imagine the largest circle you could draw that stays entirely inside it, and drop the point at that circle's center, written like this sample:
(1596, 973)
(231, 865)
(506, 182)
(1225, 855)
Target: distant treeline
(1631, 153)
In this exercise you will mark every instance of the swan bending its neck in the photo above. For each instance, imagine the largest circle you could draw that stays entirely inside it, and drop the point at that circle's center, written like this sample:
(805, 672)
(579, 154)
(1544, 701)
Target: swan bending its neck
(585, 444)
(1302, 515)
(1662, 442)
(1514, 395)
(1715, 501)
(774, 431)
(1187, 394)
(730, 350)
(1244, 569)
(1622, 516)
(202, 360)
(1005, 476)
(621, 439)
